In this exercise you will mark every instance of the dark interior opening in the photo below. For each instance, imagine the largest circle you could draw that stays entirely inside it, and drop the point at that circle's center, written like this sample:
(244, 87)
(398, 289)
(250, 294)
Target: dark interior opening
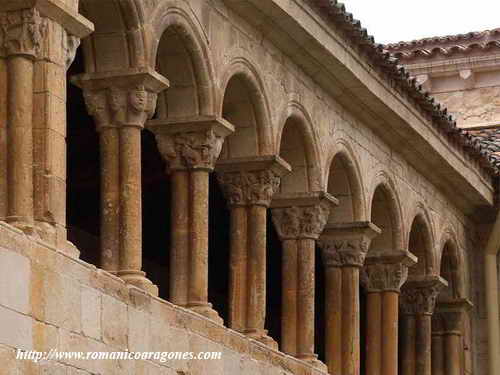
(319, 300)
(273, 283)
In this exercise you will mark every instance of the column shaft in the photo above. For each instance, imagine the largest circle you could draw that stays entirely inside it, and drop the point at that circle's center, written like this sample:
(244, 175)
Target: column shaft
(437, 354)
(408, 350)
(423, 344)
(20, 140)
(350, 321)
(179, 252)
(256, 310)
(289, 317)
(333, 319)
(305, 299)
(130, 201)
(238, 269)
(374, 333)
(452, 350)
(110, 198)
(390, 318)
(198, 286)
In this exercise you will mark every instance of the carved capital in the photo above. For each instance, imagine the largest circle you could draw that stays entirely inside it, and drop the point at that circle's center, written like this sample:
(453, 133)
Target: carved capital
(249, 187)
(192, 150)
(301, 222)
(384, 277)
(23, 32)
(193, 143)
(347, 243)
(116, 106)
(418, 297)
(125, 98)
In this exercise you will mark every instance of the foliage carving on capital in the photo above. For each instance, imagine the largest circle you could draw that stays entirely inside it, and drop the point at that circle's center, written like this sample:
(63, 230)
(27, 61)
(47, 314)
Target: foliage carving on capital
(301, 222)
(378, 277)
(190, 150)
(249, 187)
(23, 32)
(419, 300)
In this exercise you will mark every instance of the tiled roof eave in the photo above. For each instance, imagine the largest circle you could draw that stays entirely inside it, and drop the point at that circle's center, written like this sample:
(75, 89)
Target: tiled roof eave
(389, 65)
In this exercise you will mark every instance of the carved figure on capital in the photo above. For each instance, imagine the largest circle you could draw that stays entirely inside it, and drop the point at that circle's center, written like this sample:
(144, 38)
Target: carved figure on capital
(380, 277)
(249, 187)
(23, 32)
(301, 222)
(344, 252)
(191, 150)
(418, 300)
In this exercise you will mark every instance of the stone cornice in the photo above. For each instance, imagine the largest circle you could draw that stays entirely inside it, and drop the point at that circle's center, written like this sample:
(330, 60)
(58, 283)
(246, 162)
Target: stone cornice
(346, 244)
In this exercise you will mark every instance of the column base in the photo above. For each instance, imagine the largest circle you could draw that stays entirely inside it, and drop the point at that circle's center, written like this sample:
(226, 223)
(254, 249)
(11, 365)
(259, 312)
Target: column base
(313, 360)
(138, 279)
(22, 224)
(207, 311)
(261, 336)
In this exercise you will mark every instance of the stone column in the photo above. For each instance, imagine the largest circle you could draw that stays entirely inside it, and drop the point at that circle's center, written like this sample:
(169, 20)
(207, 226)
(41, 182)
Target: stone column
(191, 148)
(120, 104)
(418, 300)
(248, 185)
(383, 275)
(299, 219)
(344, 247)
(447, 337)
(35, 43)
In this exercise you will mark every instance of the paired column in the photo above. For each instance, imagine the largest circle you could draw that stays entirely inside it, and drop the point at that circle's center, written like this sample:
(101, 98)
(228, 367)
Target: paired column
(344, 247)
(191, 148)
(249, 185)
(120, 105)
(300, 219)
(447, 337)
(383, 275)
(31, 40)
(419, 296)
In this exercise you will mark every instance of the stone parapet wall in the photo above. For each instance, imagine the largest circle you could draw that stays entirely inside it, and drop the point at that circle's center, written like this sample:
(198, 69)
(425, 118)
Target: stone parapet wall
(51, 301)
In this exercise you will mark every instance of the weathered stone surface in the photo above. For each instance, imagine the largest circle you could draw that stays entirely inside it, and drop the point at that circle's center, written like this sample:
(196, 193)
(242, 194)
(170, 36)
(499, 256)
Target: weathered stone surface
(91, 313)
(114, 320)
(15, 273)
(17, 329)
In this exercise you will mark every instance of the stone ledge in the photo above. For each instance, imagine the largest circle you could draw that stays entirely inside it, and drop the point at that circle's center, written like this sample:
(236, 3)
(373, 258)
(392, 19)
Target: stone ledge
(173, 318)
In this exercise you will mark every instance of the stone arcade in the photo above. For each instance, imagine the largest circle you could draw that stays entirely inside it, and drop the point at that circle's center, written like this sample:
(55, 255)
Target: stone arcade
(252, 177)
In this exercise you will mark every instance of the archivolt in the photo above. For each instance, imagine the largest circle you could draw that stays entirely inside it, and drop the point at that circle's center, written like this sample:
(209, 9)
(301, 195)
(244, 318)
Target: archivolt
(244, 69)
(184, 22)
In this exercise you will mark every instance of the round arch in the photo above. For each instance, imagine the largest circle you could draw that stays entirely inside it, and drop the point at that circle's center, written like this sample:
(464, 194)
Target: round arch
(451, 267)
(297, 145)
(243, 102)
(421, 242)
(344, 181)
(117, 42)
(385, 212)
(180, 53)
